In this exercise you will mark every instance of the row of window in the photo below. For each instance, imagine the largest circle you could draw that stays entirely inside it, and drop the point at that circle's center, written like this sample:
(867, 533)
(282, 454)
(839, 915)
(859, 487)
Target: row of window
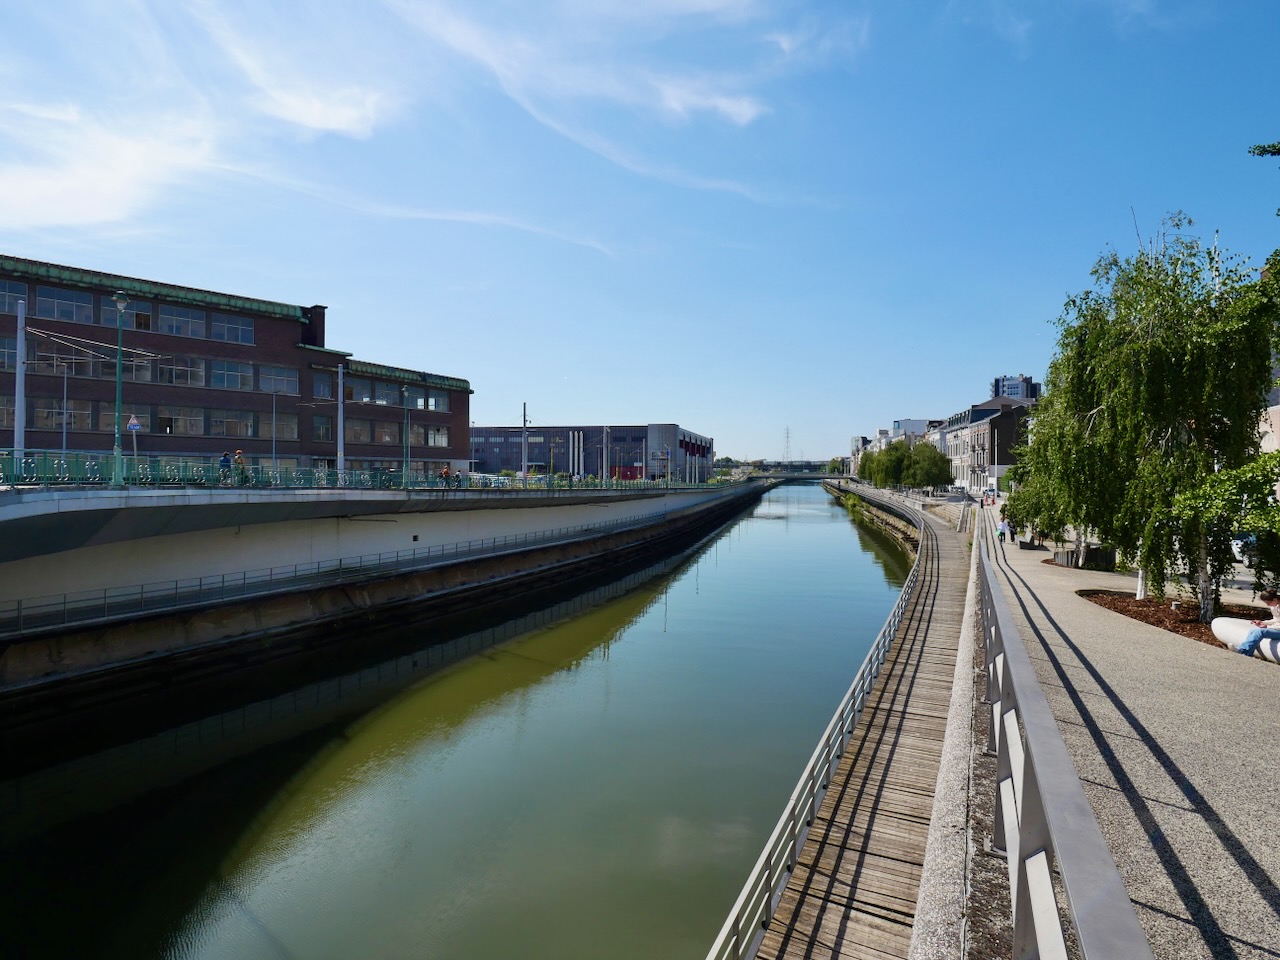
(45, 357)
(614, 439)
(363, 390)
(47, 413)
(77, 306)
(48, 357)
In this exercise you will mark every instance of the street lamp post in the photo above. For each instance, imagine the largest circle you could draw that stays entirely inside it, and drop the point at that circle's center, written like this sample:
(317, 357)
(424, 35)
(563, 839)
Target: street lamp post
(64, 412)
(404, 393)
(275, 468)
(117, 457)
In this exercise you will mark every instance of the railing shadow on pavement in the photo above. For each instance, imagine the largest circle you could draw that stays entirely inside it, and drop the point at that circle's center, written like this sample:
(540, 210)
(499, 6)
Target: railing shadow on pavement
(1042, 817)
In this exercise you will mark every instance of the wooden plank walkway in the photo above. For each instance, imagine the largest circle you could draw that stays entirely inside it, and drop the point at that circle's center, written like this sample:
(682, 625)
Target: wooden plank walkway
(853, 892)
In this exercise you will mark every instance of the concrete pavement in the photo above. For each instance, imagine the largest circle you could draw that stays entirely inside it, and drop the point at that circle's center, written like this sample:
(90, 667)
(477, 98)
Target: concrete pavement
(1177, 745)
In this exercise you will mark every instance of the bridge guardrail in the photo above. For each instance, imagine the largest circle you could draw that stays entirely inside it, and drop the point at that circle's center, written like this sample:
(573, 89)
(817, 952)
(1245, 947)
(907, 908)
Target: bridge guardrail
(1042, 817)
(112, 603)
(53, 468)
(742, 932)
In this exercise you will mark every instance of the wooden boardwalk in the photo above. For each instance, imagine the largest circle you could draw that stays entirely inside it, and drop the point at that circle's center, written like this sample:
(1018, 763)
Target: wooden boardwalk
(853, 892)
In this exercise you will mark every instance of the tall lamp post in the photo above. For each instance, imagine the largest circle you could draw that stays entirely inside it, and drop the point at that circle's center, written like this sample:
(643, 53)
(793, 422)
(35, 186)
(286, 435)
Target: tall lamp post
(404, 394)
(117, 457)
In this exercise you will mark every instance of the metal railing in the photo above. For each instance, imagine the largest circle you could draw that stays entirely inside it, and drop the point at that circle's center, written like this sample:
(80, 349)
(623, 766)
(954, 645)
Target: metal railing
(743, 930)
(53, 468)
(1042, 818)
(114, 603)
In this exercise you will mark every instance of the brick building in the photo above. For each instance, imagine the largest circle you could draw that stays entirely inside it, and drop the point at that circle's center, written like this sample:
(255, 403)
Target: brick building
(205, 372)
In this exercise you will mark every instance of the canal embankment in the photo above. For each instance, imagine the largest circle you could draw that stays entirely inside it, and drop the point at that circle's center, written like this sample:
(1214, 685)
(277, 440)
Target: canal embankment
(605, 777)
(85, 686)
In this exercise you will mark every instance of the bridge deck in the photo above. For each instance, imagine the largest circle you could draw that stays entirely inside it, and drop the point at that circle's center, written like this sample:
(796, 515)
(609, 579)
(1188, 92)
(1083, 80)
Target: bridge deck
(853, 892)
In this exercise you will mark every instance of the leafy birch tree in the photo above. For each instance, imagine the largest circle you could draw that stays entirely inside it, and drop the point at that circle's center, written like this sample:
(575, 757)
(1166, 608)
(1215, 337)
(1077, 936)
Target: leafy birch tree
(1159, 383)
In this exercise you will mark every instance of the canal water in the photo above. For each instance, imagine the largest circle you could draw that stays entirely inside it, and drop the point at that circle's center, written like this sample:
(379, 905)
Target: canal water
(597, 786)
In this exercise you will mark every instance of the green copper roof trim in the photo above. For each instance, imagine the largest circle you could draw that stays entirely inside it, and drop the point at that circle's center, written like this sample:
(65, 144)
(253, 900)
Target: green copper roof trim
(339, 353)
(364, 368)
(146, 289)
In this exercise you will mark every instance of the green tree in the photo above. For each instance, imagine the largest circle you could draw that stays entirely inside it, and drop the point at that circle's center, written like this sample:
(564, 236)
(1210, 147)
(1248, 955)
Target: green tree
(1159, 382)
(1266, 150)
(927, 466)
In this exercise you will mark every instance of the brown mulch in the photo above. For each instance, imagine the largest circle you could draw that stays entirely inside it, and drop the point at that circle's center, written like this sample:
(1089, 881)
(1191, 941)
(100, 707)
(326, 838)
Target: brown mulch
(1184, 621)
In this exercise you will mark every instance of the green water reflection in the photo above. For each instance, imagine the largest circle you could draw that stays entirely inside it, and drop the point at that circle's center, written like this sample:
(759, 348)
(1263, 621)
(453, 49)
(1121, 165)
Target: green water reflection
(596, 789)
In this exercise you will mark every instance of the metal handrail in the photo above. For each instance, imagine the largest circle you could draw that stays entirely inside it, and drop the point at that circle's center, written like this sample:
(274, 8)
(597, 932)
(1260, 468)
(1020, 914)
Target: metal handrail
(54, 611)
(742, 932)
(1042, 817)
(60, 469)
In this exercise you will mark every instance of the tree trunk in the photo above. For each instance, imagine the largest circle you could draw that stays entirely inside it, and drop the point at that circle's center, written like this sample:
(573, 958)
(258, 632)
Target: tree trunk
(1142, 583)
(1205, 584)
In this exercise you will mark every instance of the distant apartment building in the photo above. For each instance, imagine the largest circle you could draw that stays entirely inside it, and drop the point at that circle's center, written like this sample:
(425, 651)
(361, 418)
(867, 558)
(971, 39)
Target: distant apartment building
(203, 372)
(1020, 387)
(981, 438)
(653, 451)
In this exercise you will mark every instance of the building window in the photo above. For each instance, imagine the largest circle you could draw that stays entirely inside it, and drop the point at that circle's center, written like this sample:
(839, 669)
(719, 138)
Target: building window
(357, 388)
(438, 400)
(273, 379)
(230, 375)
(415, 398)
(181, 371)
(322, 429)
(386, 393)
(107, 417)
(10, 293)
(437, 436)
(47, 414)
(417, 434)
(181, 421)
(230, 423)
(357, 431)
(136, 316)
(181, 321)
(322, 385)
(133, 369)
(6, 412)
(285, 426)
(50, 358)
(223, 326)
(73, 306)
(8, 353)
(386, 432)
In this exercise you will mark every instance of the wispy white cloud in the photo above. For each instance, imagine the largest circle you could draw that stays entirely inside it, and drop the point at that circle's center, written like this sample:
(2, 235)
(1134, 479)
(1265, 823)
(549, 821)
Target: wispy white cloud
(82, 170)
(122, 107)
(280, 62)
(559, 72)
(371, 207)
(815, 43)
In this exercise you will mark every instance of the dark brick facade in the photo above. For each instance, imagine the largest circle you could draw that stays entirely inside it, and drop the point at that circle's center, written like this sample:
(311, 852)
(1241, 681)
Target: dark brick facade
(202, 373)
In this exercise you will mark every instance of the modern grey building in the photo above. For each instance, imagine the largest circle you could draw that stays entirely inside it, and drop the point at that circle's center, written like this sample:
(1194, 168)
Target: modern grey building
(1020, 387)
(653, 451)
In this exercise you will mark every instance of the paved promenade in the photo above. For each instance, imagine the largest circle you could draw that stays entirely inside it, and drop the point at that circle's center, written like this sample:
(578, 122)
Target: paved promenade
(1177, 745)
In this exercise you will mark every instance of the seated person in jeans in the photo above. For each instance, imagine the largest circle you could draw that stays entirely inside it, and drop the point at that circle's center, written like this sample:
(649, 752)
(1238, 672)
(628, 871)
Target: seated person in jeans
(1263, 629)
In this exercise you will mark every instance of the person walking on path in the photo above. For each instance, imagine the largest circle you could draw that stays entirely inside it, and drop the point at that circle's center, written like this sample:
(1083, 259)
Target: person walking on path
(1263, 629)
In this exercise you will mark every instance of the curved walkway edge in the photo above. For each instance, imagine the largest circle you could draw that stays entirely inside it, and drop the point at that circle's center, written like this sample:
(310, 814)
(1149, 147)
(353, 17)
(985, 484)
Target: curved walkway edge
(855, 885)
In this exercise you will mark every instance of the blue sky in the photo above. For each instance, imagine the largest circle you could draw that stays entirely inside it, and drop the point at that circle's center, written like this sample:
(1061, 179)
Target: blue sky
(744, 216)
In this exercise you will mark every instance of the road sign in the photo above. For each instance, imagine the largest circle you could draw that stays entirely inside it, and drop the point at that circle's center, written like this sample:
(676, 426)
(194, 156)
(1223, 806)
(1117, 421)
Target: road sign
(133, 424)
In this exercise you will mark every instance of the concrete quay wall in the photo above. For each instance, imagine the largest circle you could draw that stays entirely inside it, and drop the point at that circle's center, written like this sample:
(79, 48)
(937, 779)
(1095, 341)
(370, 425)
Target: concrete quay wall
(95, 540)
(280, 624)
